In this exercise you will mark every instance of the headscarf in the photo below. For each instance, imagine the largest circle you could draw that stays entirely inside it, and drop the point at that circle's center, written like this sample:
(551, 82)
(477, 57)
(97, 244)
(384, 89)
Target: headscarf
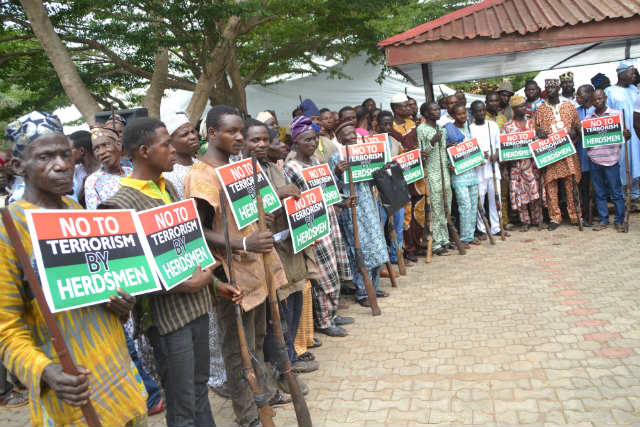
(26, 129)
(343, 122)
(115, 118)
(309, 108)
(566, 76)
(174, 121)
(517, 101)
(300, 124)
(552, 83)
(99, 132)
(598, 80)
(263, 116)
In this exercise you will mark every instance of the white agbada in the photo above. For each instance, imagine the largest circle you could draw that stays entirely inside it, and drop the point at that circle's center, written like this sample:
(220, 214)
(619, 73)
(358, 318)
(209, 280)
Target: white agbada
(488, 138)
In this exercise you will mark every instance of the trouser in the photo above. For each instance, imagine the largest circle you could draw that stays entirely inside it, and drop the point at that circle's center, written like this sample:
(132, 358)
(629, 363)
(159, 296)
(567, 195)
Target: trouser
(398, 225)
(255, 328)
(585, 193)
(485, 187)
(290, 312)
(217, 374)
(5, 384)
(154, 394)
(304, 334)
(555, 214)
(183, 364)
(467, 197)
(358, 280)
(536, 213)
(606, 182)
(325, 306)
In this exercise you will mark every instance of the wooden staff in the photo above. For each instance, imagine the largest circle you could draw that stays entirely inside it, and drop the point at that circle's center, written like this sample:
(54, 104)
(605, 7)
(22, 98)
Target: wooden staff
(283, 362)
(627, 202)
(483, 215)
(88, 411)
(428, 227)
(371, 292)
(402, 269)
(452, 228)
(496, 190)
(265, 412)
(576, 201)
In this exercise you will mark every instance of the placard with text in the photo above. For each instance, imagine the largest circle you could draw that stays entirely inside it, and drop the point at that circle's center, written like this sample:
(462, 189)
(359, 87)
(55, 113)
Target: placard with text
(177, 243)
(411, 164)
(602, 131)
(515, 146)
(556, 146)
(82, 257)
(366, 158)
(307, 218)
(321, 176)
(237, 182)
(465, 155)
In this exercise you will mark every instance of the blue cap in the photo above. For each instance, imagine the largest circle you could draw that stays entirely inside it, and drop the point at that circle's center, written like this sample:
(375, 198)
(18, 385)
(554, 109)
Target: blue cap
(309, 109)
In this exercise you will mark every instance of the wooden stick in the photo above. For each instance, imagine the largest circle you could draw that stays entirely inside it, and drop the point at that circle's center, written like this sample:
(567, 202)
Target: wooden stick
(627, 202)
(265, 412)
(428, 228)
(88, 411)
(496, 191)
(299, 403)
(483, 215)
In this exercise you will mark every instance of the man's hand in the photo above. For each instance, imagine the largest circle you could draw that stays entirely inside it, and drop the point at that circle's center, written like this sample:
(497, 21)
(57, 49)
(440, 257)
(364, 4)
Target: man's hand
(71, 389)
(121, 305)
(627, 134)
(225, 290)
(198, 280)
(541, 133)
(289, 190)
(260, 242)
(436, 138)
(341, 167)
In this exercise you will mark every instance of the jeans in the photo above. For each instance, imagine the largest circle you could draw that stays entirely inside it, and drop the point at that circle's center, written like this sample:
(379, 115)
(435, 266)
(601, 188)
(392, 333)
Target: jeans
(398, 222)
(606, 182)
(183, 364)
(154, 394)
(358, 280)
(290, 313)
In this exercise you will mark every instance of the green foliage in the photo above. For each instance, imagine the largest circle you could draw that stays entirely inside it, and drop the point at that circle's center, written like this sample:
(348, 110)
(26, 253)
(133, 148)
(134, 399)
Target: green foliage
(481, 87)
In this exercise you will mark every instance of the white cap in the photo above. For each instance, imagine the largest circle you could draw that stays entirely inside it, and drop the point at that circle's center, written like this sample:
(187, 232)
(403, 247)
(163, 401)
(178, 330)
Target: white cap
(174, 121)
(263, 116)
(399, 98)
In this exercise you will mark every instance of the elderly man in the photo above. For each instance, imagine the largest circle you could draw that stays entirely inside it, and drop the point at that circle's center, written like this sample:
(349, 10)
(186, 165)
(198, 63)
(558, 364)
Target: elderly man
(568, 92)
(506, 92)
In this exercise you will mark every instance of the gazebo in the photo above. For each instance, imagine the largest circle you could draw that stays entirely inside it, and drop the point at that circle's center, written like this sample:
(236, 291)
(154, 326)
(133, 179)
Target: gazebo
(503, 37)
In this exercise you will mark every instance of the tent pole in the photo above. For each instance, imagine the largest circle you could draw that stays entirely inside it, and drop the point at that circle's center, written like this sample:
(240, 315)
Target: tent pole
(427, 81)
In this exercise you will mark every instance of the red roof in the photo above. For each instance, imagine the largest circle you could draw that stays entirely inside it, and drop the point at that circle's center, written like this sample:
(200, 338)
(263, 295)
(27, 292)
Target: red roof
(493, 18)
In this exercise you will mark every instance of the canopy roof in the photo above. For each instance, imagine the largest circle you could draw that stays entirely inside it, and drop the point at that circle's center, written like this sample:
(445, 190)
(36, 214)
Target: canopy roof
(502, 37)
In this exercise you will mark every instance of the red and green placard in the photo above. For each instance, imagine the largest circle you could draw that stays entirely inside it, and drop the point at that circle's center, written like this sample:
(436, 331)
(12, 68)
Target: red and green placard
(515, 146)
(366, 158)
(411, 164)
(307, 217)
(321, 176)
(82, 257)
(602, 131)
(175, 237)
(237, 182)
(556, 146)
(465, 155)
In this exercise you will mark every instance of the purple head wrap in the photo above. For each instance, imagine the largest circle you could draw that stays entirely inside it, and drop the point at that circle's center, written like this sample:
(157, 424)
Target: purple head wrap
(300, 124)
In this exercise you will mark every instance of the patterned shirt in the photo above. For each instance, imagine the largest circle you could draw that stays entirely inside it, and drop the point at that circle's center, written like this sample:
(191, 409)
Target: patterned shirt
(499, 118)
(93, 335)
(531, 107)
(176, 177)
(101, 185)
(605, 155)
(432, 164)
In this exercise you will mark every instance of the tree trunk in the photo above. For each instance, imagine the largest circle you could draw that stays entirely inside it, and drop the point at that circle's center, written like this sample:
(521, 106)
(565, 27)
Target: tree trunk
(59, 56)
(158, 84)
(198, 100)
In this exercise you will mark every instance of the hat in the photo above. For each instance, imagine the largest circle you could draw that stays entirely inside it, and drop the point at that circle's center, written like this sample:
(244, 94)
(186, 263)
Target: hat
(30, 127)
(598, 80)
(299, 125)
(309, 109)
(566, 76)
(116, 118)
(399, 98)
(99, 132)
(174, 121)
(517, 101)
(625, 65)
(506, 86)
(552, 82)
(343, 122)
(263, 116)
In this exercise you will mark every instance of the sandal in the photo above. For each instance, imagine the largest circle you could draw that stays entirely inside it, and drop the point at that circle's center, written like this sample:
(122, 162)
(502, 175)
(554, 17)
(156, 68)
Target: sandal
(442, 251)
(316, 343)
(306, 356)
(524, 228)
(382, 294)
(475, 242)
(15, 399)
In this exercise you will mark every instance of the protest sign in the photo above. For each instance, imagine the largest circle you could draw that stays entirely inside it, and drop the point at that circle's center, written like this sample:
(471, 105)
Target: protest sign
(237, 182)
(602, 131)
(515, 146)
(82, 257)
(465, 155)
(174, 234)
(321, 176)
(366, 158)
(556, 147)
(411, 164)
(307, 218)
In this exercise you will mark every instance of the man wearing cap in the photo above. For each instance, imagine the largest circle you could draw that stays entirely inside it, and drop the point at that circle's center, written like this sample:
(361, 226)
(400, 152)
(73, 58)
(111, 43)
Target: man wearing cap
(310, 111)
(551, 117)
(600, 81)
(184, 139)
(567, 88)
(506, 92)
(94, 336)
(622, 97)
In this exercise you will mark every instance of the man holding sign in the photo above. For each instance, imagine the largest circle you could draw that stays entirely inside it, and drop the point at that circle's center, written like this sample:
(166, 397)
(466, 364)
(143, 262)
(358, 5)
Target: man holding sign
(605, 168)
(93, 335)
(552, 116)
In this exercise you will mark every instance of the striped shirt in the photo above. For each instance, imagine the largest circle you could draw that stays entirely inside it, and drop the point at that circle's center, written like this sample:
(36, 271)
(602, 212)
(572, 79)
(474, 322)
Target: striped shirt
(605, 155)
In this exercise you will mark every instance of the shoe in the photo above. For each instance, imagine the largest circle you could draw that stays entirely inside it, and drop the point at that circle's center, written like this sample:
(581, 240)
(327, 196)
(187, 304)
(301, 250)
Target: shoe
(524, 228)
(283, 385)
(304, 366)
(333, 331)
(619, 228)
(14, 399)
(509, 227)
(316, 343)
(542, 226)
(553, 225)
(279, 399)
(442, 251)
(411, 257)
(450, 245)
(482, 236)
(348, 290)
(600, 227)
(587, 224)
(382, 294)
(339, 320)
(157, 408)
(364, 302)
(384, 274)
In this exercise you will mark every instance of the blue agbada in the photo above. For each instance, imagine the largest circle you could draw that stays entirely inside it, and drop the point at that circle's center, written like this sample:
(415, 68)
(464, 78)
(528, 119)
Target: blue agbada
(372, 241)
(623, 98)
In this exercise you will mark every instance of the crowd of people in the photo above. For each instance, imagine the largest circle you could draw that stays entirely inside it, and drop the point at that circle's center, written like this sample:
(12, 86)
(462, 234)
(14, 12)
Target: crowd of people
(140, 356)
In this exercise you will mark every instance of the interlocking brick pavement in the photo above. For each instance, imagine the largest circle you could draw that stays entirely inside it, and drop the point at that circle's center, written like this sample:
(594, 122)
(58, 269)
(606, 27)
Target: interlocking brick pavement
(541, 329)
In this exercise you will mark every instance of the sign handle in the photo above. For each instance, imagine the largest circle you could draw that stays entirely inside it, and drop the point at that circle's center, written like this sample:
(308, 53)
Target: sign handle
(88, 411)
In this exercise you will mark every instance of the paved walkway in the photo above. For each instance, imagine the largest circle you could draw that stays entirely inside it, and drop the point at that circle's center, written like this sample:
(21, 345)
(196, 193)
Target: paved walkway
(541, 329)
